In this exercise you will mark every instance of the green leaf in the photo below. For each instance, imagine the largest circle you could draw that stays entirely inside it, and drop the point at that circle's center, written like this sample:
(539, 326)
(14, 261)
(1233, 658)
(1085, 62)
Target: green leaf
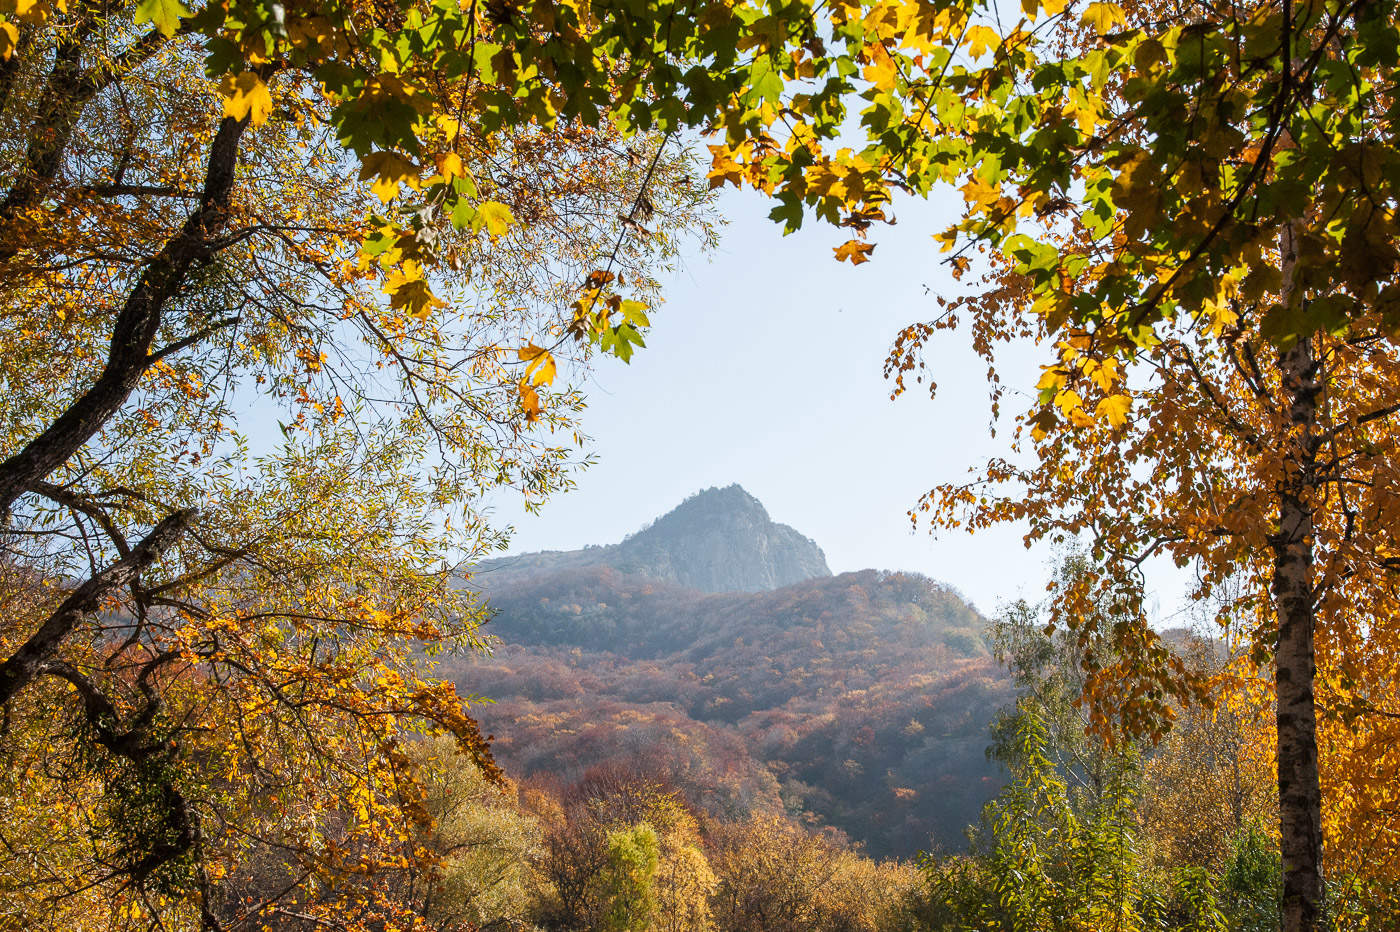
(463, 213)
(764, 83)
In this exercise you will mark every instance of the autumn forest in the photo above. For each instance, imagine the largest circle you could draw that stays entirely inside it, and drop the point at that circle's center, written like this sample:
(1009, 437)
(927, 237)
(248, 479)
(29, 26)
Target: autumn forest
(297, 291)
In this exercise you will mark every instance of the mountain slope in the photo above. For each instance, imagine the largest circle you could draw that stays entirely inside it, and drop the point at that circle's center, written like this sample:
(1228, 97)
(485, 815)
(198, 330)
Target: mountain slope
(860, 701)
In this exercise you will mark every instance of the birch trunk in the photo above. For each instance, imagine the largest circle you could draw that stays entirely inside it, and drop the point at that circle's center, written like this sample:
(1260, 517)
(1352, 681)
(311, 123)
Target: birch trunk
(1299, 790)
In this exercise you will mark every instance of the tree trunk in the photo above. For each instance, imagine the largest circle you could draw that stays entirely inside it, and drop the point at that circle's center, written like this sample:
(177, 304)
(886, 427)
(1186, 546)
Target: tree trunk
(1299, 790)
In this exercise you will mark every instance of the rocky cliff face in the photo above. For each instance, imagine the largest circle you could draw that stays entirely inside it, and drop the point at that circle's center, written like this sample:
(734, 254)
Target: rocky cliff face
(718, 540)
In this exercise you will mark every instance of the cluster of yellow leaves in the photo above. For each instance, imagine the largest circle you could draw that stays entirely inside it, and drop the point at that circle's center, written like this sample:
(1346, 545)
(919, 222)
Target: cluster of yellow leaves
(1102, 377)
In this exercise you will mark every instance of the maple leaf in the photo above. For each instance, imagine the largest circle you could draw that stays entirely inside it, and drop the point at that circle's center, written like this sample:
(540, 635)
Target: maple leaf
(854, 251)
(1068, 401)
(1053, 378)
(496, 216)
(32, 12)
(245, 95)
(765, 84)
(882, 70)
(165, 15)
(979, 194)
(390, 170)
(1103, 17)
(980, 39)
(724, 168)
(1115, 409)
(409, 291)
(449, 165)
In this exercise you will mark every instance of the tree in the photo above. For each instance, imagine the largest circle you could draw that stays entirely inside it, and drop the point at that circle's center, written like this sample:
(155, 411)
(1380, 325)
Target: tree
(342, 221)
(623, 851)
(1200, 476)
(1088, 835)
(1208, 786)
(629, 877)
(685, 883)
(484, 845)
(778, 877)
(1050, 857)
(1250, 247)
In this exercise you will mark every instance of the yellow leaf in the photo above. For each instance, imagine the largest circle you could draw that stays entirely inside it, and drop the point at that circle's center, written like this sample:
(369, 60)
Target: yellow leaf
(881, 71)
(1103, 16)
(245, 95)
(1115, 409)
(529, 400)
(1080, 418)
(1053, 377)
(9, 38)
(389, 169)
(450, 166)
(408, 291)
(724, 168)
(979, 194)
(854, 251)
(980, 39)
(1103, 374)
(497, 216)
(541, 369)
(1068, 401)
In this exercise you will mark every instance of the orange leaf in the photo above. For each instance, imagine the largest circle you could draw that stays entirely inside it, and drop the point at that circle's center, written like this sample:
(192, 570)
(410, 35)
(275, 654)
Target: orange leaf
(854, 251)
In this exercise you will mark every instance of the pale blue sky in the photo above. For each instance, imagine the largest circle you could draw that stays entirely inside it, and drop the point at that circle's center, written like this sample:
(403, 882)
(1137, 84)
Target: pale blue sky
(764, 368)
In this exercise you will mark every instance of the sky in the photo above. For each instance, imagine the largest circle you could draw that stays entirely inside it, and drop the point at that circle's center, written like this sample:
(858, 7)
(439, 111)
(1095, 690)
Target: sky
(764, 367)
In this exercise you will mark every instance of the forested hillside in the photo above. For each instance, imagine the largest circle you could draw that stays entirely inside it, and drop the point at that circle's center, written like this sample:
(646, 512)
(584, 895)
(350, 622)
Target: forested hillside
(859, 701)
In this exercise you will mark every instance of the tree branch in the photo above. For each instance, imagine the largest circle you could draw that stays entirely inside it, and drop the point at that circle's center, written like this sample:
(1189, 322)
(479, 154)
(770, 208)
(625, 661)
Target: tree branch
(96, 512)
(135, 329)
(27, 662)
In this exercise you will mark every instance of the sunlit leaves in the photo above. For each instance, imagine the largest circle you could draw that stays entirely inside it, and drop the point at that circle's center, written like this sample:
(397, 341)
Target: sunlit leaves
(409, 291)
(980, 39)
(540, 368)
(495, 217)
(1114, 409)
(529, 400)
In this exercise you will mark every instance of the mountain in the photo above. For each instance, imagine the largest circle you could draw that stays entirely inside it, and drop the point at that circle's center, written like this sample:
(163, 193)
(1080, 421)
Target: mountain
(859, 701)
(718, 540)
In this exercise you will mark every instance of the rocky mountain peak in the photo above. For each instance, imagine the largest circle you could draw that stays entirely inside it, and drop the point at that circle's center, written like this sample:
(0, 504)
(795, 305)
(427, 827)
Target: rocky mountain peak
(717, 540)
(722, 540)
